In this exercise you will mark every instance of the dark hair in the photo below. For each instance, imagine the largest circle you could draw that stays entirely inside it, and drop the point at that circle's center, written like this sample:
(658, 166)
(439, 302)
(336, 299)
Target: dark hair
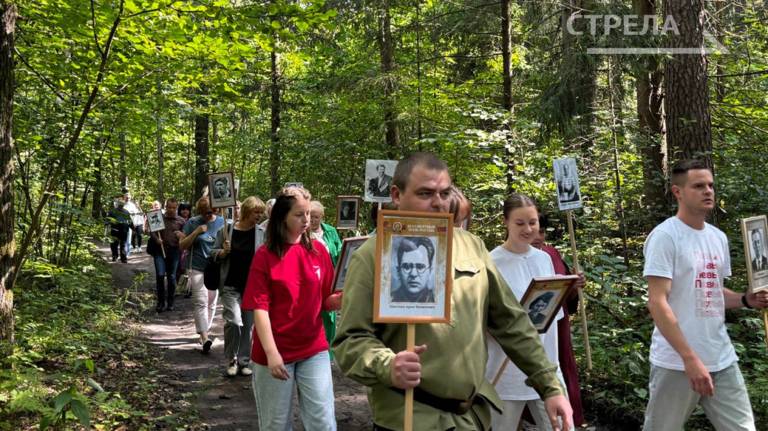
(171, 201)
(544, 297)
(680, 170)
(276, 240)
(405, 167)
(184, 206)
(515, 201)
(381, 165)
(412, 244)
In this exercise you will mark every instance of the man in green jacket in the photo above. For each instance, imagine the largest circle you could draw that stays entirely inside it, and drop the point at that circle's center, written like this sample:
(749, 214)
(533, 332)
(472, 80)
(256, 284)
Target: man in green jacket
(447, 369)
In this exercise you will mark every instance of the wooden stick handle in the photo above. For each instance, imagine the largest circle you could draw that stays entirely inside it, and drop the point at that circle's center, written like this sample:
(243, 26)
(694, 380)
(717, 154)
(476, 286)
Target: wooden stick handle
(765, 321)
(582, 301)
(410, 342)
(500, 372)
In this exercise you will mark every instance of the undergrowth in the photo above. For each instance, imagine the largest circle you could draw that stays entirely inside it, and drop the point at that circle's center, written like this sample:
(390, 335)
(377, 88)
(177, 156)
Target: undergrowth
(77, 362)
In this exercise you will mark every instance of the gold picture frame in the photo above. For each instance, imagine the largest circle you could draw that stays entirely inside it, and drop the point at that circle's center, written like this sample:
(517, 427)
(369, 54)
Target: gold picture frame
(414, 269)
(544, 298)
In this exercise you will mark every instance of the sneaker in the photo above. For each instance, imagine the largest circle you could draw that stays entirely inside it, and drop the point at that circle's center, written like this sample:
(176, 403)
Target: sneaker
(245, 370)
(207, 346)
(232, 368)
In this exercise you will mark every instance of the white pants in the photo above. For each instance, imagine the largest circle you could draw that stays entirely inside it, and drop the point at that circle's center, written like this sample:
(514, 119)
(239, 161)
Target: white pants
(205, 301)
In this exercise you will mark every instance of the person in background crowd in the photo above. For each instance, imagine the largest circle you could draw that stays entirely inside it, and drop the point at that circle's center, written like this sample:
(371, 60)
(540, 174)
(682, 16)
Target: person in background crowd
(185, 212)
(165, 266)
(289, 284)
(446, 371)
(519, 262)
(200, 236)
(267, 213)
(693, 361)
(329, 237)
(564, 344)
(120, 222)
(136, 213)
(236, 255)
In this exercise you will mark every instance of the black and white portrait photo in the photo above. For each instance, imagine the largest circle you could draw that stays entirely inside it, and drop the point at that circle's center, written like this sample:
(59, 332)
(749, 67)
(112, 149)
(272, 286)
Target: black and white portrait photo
(349, 246)
(757, 242)
(755, 230)
(378, 180)
(567, 183)
(413, 262)
(413, 270)
(222, 190)
(155, 220)
(347, 212)
(537, 308)
(294, 184)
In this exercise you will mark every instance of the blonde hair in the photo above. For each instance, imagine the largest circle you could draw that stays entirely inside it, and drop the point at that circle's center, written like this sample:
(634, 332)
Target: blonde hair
(250, 205)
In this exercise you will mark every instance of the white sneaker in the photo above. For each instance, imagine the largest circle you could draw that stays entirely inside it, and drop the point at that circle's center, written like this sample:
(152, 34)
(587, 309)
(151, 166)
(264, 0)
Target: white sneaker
(245, 370)
(232, 368)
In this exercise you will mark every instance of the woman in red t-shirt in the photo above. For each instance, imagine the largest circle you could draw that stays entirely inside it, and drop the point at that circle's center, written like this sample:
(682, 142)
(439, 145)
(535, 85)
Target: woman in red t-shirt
(289, 284)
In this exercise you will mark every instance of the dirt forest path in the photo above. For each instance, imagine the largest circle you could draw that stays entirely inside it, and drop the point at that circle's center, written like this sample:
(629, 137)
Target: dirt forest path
(223, 403)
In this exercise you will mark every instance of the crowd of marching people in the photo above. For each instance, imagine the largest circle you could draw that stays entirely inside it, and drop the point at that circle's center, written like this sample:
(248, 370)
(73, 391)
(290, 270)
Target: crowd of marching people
(272, 267)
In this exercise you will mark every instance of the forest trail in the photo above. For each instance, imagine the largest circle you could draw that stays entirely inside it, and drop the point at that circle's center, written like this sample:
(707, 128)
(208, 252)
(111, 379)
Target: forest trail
(223, 403)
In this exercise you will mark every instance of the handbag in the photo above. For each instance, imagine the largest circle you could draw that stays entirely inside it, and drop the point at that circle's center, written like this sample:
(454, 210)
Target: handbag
(212, 274)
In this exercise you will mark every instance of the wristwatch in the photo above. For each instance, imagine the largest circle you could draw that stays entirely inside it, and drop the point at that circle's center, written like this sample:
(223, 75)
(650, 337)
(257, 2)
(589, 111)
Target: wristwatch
(744, 301)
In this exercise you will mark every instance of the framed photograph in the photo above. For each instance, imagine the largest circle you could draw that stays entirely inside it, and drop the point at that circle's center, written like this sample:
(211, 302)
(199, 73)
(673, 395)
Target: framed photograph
(155, 220)
(544, 297)
(349, 246)
(413, 267)
(378, 180)
(754, 230)
(293, 184)
(222, 189)
(567, 183)
(347, 212)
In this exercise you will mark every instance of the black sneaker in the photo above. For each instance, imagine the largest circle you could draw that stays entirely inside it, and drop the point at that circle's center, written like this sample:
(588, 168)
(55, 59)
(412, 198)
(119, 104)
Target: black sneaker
(207, 346)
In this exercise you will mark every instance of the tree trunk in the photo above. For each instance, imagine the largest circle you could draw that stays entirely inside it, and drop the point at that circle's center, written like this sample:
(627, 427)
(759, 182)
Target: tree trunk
(387, 52)
(686, 99)
(201, 153)
(506, 102)
(274, 135)
(160, 157)
(7, 219)
(649, 116)
(580, 70)
(123, 167)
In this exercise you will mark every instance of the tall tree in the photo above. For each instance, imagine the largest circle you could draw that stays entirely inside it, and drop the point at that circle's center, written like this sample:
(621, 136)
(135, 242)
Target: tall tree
(387, 53)
(649, 100)
(506, 102)
(686, 95)
(274, 134)
(202, 164)
(7, 220)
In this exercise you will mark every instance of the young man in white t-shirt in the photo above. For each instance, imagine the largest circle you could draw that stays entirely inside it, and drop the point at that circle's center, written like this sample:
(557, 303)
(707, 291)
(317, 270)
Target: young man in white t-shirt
(692, 358)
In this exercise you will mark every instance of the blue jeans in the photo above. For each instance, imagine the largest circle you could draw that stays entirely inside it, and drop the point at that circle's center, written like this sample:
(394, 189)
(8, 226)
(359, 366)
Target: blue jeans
(312, 377)
(238, 326)
(165, 267)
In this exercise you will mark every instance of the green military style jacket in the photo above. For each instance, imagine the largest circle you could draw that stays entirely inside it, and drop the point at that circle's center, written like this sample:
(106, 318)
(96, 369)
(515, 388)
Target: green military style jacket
(453, 366)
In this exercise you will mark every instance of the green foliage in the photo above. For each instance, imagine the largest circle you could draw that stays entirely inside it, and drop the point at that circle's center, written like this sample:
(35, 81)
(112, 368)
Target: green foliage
(72, 341)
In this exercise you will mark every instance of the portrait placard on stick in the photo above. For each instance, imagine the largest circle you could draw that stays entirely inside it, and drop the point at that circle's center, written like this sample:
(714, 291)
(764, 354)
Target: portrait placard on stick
(544, 297)
(378, 180)
(155, 220)
(349, 246)
(293, 184)
(347, 212)
(413, 267)
(754, 231)
(221, 186)
(567, 183)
